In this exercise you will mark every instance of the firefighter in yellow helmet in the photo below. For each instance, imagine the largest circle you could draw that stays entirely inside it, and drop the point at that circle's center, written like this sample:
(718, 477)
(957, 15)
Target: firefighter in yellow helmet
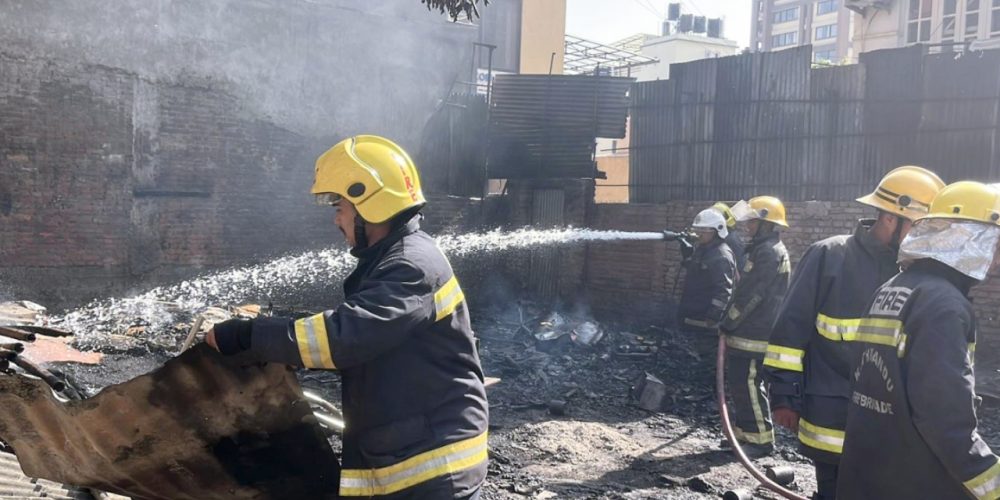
(414, 404)
(808, 363)
(747, 321)
(911, 423)
(733, 238)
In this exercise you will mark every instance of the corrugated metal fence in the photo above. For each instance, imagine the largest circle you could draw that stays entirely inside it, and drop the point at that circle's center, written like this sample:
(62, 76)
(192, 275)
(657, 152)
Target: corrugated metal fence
(769, 123)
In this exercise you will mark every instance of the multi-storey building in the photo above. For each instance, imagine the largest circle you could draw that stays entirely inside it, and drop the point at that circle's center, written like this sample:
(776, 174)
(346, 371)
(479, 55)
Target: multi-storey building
(824, 24)
(950, 24)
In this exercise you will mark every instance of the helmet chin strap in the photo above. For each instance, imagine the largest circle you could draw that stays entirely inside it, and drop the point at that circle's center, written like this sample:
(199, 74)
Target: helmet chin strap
(360, 238)
(897, 234)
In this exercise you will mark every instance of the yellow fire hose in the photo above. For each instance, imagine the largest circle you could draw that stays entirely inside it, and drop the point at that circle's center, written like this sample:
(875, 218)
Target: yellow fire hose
(727, 428)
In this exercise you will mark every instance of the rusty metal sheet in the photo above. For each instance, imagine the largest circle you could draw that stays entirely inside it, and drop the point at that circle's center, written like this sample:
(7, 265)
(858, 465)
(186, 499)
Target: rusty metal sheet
(14, 484)
(203, 426)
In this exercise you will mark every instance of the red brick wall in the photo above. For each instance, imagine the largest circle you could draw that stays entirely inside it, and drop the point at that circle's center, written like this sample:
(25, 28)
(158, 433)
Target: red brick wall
(636, 280)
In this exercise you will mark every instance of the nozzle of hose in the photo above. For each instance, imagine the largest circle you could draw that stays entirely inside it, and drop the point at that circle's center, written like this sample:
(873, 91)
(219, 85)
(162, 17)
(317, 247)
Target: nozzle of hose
(675, 236)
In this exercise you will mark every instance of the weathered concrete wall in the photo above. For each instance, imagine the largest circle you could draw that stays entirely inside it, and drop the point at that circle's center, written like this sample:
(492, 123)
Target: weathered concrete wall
(142, 141)
(314, 67)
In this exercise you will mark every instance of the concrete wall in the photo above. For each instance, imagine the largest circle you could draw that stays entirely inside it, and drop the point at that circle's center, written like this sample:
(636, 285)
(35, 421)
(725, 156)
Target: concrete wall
(543, 32)
(144, 141)
(680, 48)
(882, 29)
(314, 67)
(614, 189)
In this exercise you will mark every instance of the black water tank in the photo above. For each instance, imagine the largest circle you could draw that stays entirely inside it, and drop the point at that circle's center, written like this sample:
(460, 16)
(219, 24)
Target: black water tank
(686, 23)
(667, 28)
(715, 28)
(673, 11)
(700, 23)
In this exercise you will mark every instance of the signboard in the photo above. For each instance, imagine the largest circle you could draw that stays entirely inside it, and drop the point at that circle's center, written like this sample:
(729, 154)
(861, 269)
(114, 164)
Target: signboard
(483, 80)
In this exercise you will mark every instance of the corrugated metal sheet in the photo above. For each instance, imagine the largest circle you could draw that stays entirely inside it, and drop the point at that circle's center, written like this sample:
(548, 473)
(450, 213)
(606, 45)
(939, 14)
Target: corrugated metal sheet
(960, 114)
(14, 484)
(203, 426)
(547, 210)
(892, 110)
(544, 126)
(733, 127)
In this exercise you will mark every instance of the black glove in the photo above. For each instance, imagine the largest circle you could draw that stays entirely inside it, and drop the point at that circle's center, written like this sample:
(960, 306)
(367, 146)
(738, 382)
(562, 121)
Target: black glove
(233, 336)
(687, 249)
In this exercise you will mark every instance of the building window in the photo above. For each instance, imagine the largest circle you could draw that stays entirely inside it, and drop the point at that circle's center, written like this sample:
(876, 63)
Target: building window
(825, 54)
(826, 32)
(995, 19)
(786, 15)
(948, 21)
(826, 7)
(971, 19)
(784, 39)
(918, 23)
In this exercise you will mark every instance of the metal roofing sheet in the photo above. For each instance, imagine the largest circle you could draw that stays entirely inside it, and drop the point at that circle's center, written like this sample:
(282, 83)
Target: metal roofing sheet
(202, 426)
(14, 484)
(545, 125)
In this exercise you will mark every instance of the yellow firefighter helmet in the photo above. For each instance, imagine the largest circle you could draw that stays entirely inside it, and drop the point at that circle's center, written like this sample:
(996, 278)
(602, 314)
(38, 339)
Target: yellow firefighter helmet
(371, 172)
(723, 209)
(768, 208)
(905, 191)
(967, 200)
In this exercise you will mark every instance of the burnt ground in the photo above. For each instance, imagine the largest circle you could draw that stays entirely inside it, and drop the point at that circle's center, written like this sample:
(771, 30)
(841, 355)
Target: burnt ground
(600, 443)
(604, 445)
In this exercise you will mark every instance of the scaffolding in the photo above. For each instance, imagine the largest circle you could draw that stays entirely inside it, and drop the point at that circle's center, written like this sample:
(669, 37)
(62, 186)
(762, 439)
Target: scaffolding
(589, 57)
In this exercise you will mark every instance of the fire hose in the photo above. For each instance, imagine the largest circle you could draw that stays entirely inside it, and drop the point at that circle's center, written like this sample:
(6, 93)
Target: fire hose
(727, 428)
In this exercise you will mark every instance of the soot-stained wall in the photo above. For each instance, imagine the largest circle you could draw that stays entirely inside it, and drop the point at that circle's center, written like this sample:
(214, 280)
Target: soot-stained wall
(143, 141)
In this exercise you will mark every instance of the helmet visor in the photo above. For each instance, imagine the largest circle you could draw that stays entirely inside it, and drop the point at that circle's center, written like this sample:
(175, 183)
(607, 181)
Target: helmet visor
(743, 212)
(966, 246)
(327, 199)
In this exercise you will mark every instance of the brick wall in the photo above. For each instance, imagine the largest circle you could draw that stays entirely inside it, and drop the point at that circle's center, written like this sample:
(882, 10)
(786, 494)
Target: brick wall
(111, 183)
(636, 280)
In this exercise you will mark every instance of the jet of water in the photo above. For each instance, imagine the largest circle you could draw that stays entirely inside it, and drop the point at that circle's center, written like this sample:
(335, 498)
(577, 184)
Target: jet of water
(159, 307)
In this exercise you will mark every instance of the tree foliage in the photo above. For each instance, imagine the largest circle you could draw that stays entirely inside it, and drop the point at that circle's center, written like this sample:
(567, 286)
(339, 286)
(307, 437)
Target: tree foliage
(455, 8)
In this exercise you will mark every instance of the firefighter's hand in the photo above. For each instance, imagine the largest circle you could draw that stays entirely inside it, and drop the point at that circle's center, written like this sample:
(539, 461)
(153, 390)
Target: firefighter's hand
(687, 249)
(787, 418)
(231, 336)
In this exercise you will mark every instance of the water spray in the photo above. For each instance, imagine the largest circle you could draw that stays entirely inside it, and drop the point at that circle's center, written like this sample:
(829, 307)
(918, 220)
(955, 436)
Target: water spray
(285, 275)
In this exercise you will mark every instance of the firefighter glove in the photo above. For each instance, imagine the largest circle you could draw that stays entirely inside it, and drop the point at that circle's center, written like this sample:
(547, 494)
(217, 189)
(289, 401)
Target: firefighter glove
(233, 336)
(687, 249)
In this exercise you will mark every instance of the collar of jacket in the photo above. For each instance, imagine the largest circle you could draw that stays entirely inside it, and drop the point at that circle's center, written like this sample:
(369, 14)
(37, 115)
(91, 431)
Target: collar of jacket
(930, 266)
(862, 233)
(411, 226)
(769, 237)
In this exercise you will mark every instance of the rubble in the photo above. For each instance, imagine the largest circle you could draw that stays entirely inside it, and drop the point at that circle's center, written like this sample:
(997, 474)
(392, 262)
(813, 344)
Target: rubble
(20, 312)
(569, 419)
(247, 434)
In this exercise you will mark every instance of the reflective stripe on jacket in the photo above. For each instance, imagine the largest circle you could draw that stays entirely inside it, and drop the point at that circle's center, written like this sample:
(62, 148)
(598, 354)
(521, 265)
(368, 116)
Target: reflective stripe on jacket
(757, 296)
(808, 361)
(911, 424)
(413, 397)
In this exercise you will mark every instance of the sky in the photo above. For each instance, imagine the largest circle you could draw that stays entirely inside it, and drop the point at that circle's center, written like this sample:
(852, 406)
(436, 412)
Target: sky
(606, 21)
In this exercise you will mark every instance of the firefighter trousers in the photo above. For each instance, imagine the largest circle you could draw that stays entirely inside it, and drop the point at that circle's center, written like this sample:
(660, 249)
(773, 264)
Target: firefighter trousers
(751, 412)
